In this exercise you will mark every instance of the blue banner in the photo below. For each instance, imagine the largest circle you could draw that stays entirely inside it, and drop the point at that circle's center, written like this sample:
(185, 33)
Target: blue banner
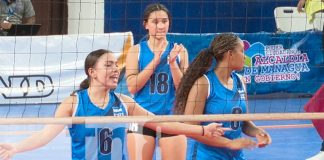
(285, 62)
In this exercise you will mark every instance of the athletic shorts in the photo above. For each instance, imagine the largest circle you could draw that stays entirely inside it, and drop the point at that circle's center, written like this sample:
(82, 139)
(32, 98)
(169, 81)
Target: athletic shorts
(135, 128)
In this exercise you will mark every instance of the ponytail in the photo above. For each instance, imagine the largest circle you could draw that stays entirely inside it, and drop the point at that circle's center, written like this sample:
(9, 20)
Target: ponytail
(84, 84)
(197, 68)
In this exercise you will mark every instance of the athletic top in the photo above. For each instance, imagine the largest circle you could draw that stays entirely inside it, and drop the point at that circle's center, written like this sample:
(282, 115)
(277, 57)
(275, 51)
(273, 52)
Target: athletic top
(98, 141)
(224, 101)
(158, 94)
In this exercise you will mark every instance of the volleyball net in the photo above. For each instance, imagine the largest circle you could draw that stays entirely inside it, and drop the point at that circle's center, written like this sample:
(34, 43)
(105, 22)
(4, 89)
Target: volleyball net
(41, 70)
(283, 69)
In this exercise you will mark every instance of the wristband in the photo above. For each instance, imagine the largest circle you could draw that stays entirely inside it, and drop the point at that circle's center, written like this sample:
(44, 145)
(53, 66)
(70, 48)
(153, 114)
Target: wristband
(203, 130)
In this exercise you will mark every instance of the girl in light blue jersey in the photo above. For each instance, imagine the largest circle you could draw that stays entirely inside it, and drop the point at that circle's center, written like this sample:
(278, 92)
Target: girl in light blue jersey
(154, 68)
(97, 98)
(219, 91)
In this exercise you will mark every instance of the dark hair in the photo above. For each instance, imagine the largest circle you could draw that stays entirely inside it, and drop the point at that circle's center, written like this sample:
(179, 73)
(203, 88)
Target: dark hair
(200, 65)
(155, 7)
(90, 62)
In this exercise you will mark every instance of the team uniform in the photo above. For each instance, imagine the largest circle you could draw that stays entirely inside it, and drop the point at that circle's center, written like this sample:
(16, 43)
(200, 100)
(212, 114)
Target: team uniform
(98, 141)
(158, 94)
(221, 100)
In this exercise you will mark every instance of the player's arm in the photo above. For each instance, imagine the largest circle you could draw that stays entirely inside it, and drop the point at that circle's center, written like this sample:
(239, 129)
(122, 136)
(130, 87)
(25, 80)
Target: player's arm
(195, 106)
(176, 70)
(134, 109)
(41, 138)
(136, 80)
(250, 129)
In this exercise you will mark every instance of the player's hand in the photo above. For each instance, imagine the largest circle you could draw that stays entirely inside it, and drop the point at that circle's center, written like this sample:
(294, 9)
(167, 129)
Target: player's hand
(7, 151)
(158, 51)
(157, 58)
(214, 130)
(242, 143)
(176, 50)
(263, 138)
(300, 5)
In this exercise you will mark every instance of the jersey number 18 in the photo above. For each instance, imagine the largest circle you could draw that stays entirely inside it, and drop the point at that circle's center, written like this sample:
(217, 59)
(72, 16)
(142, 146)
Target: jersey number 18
(159, 83)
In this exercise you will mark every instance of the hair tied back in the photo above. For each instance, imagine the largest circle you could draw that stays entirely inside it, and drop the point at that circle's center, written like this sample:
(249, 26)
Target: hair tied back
(209, 51)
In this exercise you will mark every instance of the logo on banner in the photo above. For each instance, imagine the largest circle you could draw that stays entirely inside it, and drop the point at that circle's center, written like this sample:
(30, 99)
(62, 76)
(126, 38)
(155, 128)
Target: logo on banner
(26, 86)
(273, 63)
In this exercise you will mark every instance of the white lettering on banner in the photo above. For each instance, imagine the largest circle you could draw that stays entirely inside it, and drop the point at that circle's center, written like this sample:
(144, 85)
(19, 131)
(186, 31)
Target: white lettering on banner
(26, 86)
(46, 69)
(276, 64)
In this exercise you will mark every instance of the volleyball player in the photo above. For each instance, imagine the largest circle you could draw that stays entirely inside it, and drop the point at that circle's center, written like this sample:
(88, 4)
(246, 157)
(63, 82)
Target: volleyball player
(154, 68)
(97, 98)
(219, 91)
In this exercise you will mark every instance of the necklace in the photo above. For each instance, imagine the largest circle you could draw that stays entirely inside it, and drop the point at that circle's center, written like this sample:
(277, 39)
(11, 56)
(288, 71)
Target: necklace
(98, 102)
(101, 105)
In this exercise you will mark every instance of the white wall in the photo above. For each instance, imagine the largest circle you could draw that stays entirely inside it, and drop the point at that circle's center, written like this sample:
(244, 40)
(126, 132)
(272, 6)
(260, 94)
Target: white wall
(85, 16)
(319, 21)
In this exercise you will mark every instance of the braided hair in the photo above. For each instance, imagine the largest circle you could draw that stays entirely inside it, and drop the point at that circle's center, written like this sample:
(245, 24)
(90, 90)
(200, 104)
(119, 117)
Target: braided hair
(221, 44)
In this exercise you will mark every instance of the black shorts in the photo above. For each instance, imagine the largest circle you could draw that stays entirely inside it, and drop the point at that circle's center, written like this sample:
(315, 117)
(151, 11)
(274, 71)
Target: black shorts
(149, 132)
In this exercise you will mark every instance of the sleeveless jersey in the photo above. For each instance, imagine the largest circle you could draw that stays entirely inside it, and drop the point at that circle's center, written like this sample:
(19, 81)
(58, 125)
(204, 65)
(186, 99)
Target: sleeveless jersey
(223, 101)
(98, 141)
(158, 94)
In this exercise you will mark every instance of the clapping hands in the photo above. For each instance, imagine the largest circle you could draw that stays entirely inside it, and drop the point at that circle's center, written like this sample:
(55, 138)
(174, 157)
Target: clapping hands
(176, 50)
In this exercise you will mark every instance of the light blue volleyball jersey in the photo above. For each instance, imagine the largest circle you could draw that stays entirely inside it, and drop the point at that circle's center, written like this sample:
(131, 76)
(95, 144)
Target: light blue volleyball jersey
(98, 141)
(223, 101)
(158, 94)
